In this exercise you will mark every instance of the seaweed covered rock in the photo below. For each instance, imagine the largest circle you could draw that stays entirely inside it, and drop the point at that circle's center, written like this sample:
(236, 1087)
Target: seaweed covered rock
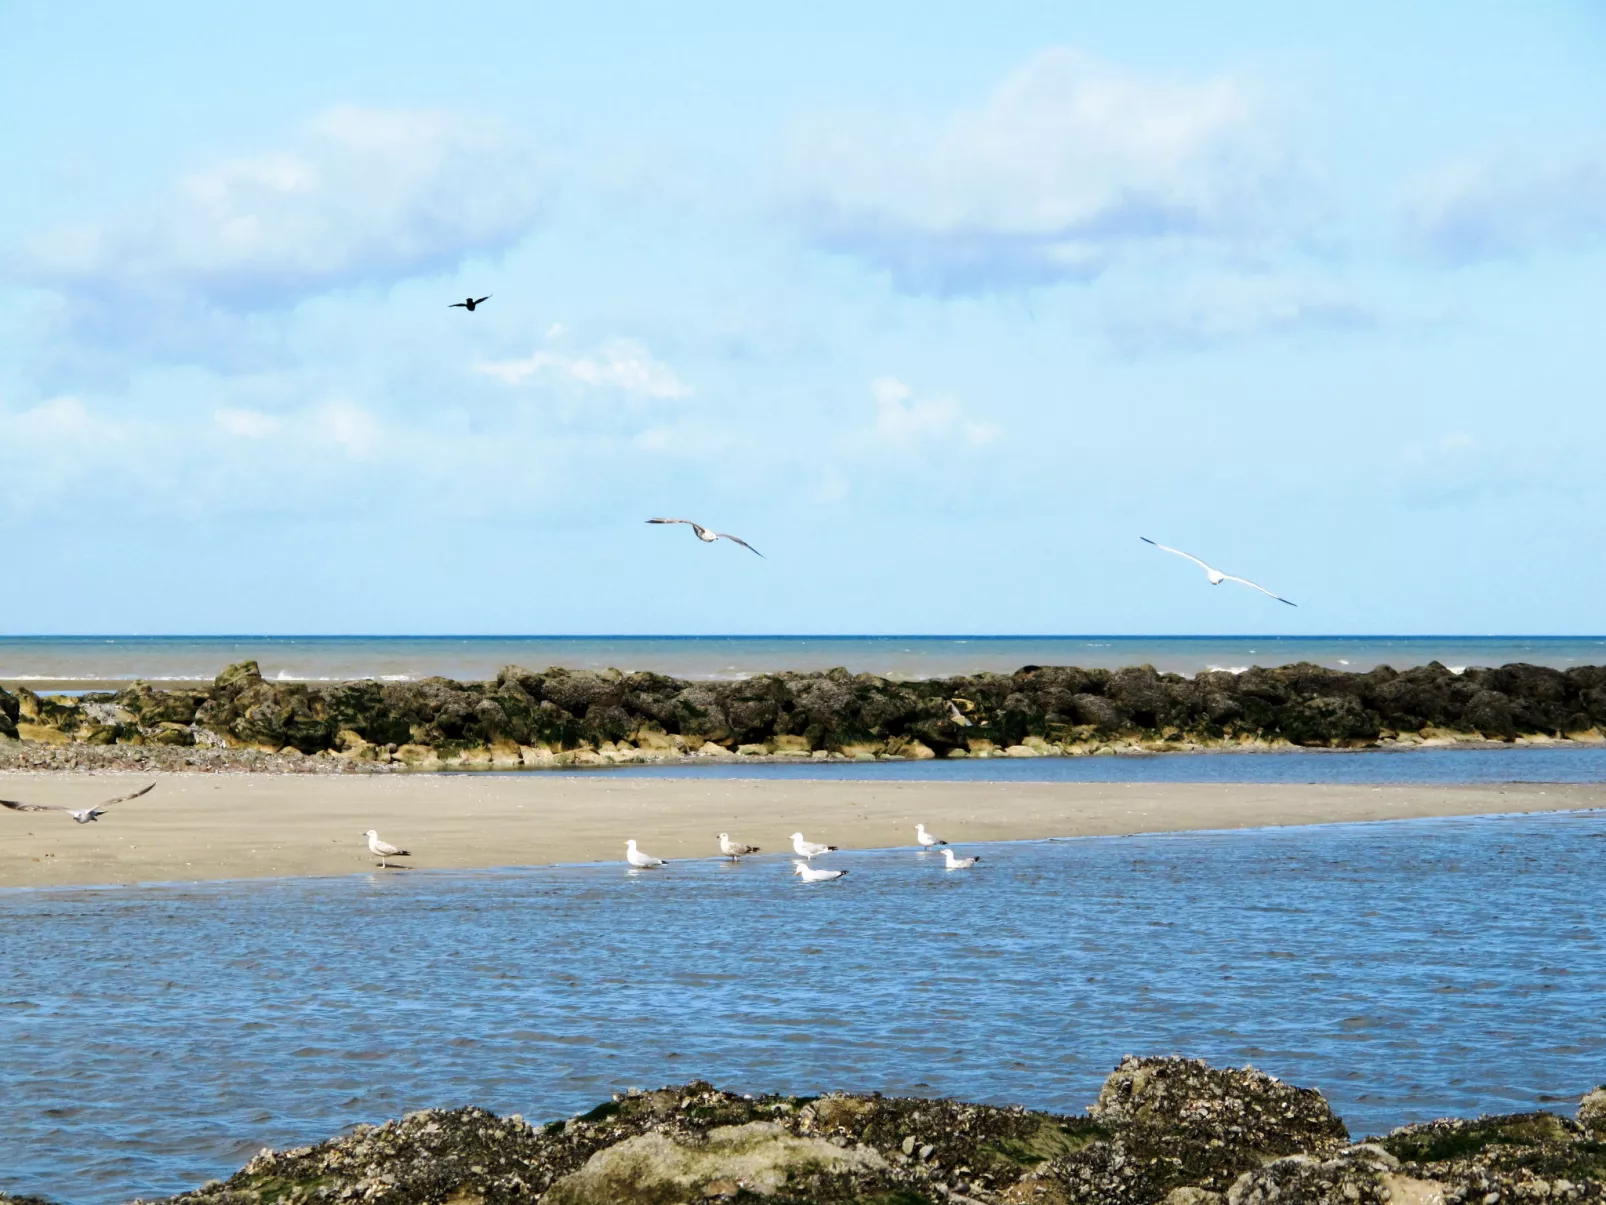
(560, 717)
(686, 1144)
(1516, 1157)
(1163, 1132)
(1592, 1112)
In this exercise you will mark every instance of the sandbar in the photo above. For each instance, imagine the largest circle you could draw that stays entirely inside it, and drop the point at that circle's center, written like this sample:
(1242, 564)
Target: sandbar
(196, 827)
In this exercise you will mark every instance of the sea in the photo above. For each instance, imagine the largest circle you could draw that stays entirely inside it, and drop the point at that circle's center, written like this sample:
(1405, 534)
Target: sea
(78, 663)
(155, 1037)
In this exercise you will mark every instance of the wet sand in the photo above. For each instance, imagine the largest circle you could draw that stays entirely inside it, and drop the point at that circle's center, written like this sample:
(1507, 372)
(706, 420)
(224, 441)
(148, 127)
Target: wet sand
(196, 827)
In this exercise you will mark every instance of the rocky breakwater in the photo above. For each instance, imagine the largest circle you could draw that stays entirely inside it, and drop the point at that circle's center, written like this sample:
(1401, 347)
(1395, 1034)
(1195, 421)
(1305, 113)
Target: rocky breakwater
(1167, 1131)
(562, 717)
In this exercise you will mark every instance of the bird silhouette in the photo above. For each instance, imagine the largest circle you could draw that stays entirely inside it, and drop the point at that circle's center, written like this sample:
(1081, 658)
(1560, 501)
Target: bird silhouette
(468, 303)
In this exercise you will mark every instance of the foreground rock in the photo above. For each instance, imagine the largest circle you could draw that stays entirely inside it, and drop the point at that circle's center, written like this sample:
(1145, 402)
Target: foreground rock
(561, 717)
(1163, 1132)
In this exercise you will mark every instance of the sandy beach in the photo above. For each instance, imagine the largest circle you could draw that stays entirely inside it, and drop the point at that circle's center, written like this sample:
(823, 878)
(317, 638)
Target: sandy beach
(199, 827)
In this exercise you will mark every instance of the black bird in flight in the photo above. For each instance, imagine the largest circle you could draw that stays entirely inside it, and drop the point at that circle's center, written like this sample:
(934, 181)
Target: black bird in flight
(469, 303)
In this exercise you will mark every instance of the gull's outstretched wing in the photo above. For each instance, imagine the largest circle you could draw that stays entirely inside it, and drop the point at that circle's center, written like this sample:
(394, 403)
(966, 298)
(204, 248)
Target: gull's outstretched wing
(671, 521)
(725, 535)
(31, 807)
(1174, 551)
(1244, 581)
(459, 305)
(482, 300)
(126, 798)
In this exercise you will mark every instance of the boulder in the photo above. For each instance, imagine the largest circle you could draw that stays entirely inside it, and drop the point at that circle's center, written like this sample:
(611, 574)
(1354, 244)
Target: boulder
(760, 1157)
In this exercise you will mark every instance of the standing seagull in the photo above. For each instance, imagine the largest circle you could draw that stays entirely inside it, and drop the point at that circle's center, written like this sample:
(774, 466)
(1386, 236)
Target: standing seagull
(956, 715)
(734, 850)
(958, 863)
(810, 875)
(468, 303)
(927, 839)
(1216, 576)
(383, 850)
(708, 537)
(810, 849)
(82, 817)
(640, 860)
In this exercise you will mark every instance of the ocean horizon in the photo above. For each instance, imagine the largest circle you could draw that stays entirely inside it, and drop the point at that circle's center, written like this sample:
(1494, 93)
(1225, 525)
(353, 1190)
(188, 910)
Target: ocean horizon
(90, 662)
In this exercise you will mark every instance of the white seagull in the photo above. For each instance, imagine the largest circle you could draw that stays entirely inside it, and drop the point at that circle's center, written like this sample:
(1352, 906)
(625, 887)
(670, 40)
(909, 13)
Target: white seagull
(957, 863)
(1216, 576)
(958, 716)
(810, 875)
(734, 849)
(927, 839)
(810, 849)
(383, 850)
(708, 537)
(83, 816)
(640, 860)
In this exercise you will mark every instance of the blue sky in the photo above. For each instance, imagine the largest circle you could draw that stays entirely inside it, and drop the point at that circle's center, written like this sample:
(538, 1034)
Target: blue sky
(940, 306)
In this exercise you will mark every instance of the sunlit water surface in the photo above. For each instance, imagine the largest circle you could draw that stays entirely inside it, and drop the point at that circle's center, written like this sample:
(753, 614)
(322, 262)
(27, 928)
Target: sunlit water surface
(151, 1038)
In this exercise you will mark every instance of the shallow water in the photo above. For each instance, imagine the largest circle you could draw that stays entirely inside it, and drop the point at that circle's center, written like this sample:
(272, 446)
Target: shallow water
(156, 1037)
(95, 662)
(1368, 767)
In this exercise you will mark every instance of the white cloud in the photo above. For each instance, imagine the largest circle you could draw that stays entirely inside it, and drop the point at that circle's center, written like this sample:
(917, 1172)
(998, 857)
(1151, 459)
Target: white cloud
(348, 425)
(619, 364)
(1067, 163)
(1510, 205)
(363, 196)
(906, 420)
(248, 424)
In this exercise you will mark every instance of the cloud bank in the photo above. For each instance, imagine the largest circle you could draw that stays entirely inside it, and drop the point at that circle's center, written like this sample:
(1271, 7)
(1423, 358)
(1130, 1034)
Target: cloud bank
(1067, 165)
(361, 197)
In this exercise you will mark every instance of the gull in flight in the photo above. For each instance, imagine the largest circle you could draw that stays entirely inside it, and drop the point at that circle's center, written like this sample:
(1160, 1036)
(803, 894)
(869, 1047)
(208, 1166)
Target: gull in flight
(810, 875)
(810, 849)
(84, 816)
(1216, 576)
(958, 863)
(958, 716)
(469, 303)
(383, 850)
(640, 860)
(734, 849)
(927, 839)
(708, 537)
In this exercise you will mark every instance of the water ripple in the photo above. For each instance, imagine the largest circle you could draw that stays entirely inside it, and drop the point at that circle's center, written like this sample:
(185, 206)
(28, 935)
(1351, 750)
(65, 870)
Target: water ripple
(156, 1037)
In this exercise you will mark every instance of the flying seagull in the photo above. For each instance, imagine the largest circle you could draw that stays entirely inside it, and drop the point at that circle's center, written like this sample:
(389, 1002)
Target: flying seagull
(1216, 576)
(383, 850)
(468, 303)
(927, 839)
(810, 849)
(82, 817)
(810, 875)
(734, 849)
(640, 860)
(708, 537)
(958, 863)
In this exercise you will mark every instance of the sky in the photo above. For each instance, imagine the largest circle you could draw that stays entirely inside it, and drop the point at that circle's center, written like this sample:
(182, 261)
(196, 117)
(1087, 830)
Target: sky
(940, 306)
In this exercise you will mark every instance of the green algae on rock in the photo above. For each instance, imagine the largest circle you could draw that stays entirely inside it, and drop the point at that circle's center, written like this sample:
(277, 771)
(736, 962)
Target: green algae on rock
(564, 717)
(1164, 1131)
